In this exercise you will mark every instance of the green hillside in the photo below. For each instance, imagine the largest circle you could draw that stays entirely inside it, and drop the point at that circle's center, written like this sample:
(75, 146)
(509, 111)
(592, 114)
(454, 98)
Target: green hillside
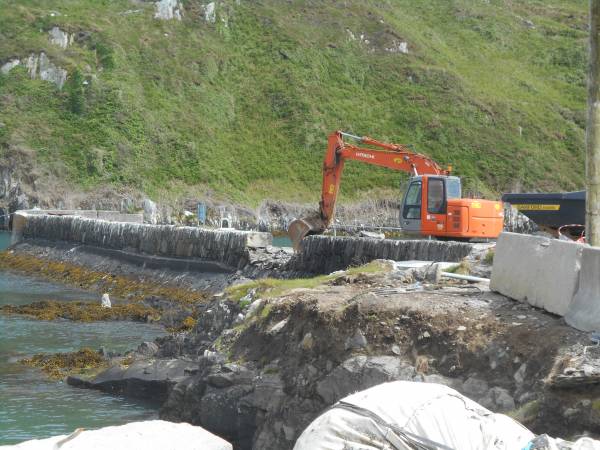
(242, 107)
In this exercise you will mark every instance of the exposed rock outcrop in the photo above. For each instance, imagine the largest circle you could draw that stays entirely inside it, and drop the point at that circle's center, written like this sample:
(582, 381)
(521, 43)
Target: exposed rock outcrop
(39, 66)
(210, 13)
(60, 37)
(168, 10)
(9, 65)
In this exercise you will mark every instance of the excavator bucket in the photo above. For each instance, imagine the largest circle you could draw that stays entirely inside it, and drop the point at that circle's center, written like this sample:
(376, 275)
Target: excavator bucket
(300, 228)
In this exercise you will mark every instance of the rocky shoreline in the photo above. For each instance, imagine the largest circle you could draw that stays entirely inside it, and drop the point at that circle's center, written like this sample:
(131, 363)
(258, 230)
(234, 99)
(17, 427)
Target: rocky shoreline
(267, 356)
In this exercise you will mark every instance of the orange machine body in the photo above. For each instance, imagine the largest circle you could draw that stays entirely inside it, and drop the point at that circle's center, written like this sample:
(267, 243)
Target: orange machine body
(459, 218)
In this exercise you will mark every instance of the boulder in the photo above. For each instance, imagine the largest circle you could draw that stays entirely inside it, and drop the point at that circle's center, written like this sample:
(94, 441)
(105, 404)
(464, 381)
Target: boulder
(362, 372)
(150, 435)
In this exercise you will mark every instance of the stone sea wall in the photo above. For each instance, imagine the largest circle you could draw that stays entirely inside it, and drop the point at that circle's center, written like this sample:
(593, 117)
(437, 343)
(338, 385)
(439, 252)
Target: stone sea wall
(326, 254)
(228, 247)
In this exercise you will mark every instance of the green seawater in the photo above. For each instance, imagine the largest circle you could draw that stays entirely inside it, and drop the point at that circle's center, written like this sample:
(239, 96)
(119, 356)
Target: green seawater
(33, 407)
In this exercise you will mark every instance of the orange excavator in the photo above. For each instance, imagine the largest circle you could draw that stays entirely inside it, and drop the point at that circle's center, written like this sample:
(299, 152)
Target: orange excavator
(432, 204)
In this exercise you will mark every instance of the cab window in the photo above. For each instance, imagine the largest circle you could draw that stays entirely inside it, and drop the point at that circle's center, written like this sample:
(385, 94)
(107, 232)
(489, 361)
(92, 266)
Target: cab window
(412, 204)
(436, 203)
(453, 188)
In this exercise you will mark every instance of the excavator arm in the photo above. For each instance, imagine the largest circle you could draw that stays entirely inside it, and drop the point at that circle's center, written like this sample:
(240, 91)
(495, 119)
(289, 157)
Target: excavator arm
(392, 156)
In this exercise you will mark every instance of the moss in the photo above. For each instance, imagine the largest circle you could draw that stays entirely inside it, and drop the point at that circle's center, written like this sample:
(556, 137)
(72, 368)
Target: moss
(266, 310)
(187, 324)
(596, 405)
(372, 267)
(463, 268)
(83, 311)
(489, 257)
(60, 365)
(117, 286)
(273, 287)
(526, 413)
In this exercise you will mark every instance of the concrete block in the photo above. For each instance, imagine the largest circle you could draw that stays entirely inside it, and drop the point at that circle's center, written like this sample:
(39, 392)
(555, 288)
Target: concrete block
(258, 240)
(584, 311)
(18, 227)
(541, 271)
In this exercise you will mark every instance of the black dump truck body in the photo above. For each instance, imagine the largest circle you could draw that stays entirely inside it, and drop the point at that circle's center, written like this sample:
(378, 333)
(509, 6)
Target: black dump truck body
(550, 210)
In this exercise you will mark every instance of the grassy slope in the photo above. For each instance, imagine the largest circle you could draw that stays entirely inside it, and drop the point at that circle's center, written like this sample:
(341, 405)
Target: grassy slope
(243, 110)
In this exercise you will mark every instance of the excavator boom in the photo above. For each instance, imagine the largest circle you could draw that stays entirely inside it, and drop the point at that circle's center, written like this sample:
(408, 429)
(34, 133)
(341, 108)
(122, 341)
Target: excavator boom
(392, 156)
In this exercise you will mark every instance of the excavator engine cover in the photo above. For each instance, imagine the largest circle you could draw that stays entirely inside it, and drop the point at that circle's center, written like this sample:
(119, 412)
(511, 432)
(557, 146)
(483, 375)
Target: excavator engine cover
(300, 228)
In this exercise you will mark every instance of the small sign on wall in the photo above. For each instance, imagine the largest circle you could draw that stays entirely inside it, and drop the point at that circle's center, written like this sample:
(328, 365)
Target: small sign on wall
(202, 213)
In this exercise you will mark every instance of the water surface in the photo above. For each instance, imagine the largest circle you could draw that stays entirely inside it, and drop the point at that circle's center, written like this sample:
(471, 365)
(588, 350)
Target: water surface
(33, 407)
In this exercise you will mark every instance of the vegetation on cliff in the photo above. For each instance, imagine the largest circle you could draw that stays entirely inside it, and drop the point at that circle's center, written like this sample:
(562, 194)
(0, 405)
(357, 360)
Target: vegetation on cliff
(239, 107)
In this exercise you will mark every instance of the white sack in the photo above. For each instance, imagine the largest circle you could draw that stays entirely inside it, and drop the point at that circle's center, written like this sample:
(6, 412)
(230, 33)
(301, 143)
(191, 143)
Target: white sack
(432, 411)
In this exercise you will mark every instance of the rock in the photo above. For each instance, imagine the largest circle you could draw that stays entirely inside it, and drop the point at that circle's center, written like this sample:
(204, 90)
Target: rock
(475, 388)
(358, 340)
(149, 435)
(8, 66)
(498, 399)
(396, 350)
(147, 349)
(210, 14)
(529, 24)
(141, 379)
(60, 38)
(432, 273)
(39, 66)
(519, 375)
(150, 211)
(278, 327)
(371, 235)
(454, 383)
(105, 302)
(308, 341)
(398, 47)
(570, 412)
(168, 10)
(254, 307)
(362, 372)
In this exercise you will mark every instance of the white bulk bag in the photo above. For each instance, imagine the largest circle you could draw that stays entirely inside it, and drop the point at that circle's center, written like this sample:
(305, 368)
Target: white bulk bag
(404, 415)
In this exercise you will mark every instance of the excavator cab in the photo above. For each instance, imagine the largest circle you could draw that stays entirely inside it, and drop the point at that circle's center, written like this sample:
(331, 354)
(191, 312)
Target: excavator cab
(415, 205)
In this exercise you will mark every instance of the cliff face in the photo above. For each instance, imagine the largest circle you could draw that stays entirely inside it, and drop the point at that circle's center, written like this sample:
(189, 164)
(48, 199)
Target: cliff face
(232, 101)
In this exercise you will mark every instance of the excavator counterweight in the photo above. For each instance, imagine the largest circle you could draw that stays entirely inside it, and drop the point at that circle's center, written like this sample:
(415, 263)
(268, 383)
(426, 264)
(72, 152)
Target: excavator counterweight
(432, 205)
